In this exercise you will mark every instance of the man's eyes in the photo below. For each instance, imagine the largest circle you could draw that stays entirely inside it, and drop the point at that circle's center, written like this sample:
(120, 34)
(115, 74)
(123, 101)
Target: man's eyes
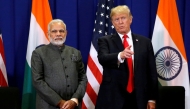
(60, 31)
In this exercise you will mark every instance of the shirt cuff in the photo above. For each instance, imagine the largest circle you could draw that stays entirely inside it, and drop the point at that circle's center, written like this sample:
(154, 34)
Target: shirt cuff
(75, 100)
(119, 58)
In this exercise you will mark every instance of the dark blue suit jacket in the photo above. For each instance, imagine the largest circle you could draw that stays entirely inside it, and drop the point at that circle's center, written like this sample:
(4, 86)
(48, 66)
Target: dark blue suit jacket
(113, 87)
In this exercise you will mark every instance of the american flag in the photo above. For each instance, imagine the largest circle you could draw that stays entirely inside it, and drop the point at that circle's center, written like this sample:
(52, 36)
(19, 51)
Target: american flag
(3, 72)
(102, 27)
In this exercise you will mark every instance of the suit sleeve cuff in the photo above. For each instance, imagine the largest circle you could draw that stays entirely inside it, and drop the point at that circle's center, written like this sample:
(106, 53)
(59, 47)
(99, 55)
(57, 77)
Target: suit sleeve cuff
(75, 100)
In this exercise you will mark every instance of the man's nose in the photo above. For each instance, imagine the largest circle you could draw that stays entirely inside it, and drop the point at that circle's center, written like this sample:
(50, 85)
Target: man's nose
(58, 33)
(120, 20)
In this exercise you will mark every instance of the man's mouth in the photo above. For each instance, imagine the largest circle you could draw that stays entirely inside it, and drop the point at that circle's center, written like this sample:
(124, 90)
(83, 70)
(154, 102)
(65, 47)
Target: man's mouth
(58, 38)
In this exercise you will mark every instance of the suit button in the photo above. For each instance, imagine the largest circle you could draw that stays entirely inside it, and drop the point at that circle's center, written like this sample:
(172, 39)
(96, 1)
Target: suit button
(67, 76)
(67, 85)
(65, 67)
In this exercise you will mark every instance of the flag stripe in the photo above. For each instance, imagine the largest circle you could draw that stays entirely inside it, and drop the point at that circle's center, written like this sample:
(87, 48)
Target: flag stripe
(29, 94)
(92, 95)
(93, 81)
(36, 37)
(88, 103)
(3, 72)
(2, 79)
(27, 77)
(169, 19)
(2, 48)
(83, 105)
(42, 13)
(96, 72)
(93, 54)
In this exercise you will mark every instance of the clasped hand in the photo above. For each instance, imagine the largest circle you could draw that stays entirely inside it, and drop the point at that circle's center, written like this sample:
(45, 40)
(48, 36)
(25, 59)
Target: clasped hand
(126, 53)
(68, 105)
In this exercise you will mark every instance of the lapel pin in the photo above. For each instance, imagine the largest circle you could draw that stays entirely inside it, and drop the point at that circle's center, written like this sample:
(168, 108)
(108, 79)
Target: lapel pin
(136, 39)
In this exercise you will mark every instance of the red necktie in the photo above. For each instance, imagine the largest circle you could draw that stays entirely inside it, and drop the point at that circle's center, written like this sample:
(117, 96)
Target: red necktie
(130, 84)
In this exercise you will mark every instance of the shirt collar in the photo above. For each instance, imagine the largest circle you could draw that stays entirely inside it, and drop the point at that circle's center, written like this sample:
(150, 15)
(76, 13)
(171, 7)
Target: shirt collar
(128, 34)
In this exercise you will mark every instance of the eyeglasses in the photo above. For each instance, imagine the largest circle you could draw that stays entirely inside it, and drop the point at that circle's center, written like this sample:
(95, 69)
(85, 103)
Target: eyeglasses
(55, 31)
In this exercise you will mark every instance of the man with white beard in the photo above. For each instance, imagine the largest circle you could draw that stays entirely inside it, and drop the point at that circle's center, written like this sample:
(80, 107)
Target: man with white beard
(58, 73)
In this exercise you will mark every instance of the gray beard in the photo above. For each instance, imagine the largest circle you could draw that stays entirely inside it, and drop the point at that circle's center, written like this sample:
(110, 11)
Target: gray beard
(59, 42)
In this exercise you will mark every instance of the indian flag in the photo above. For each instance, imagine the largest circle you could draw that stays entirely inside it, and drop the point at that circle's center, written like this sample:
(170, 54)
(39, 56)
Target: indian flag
(171, 60)
(40, 17)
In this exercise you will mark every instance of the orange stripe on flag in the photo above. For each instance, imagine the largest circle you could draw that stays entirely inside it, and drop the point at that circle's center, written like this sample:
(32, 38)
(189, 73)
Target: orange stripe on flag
(42, 12)
(167, 12)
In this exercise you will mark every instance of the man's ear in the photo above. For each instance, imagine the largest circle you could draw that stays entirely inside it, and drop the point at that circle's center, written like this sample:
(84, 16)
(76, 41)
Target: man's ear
(66, 33)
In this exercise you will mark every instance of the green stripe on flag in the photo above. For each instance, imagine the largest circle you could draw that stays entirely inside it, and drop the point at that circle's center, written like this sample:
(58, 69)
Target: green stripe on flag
(29, 94)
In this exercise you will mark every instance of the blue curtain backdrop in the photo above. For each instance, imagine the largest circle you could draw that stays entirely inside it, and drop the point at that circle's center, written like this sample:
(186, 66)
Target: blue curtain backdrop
(79, 17)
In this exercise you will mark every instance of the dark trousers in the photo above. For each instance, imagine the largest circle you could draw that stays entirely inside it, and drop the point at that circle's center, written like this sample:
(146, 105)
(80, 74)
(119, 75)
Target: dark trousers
(130, 101)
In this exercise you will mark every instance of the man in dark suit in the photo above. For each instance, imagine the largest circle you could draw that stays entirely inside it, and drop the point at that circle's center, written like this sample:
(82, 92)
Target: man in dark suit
(58, 72)
(114, 57)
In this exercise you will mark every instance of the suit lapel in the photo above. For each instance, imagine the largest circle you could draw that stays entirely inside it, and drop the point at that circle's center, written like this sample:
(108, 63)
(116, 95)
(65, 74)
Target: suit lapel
(117, 41)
